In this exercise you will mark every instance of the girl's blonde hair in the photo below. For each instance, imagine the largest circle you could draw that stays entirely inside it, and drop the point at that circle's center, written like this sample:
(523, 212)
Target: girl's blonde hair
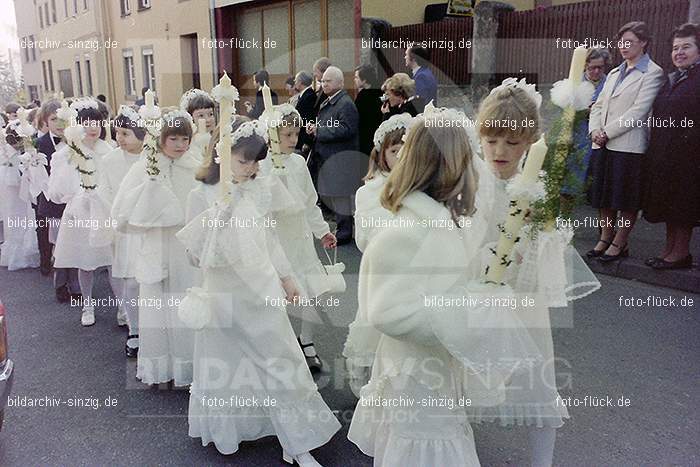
(377, 159)
(436, 160)
(509, 112)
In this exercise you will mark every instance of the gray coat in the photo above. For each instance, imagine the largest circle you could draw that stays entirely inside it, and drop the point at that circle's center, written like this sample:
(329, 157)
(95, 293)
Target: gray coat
(337, 147)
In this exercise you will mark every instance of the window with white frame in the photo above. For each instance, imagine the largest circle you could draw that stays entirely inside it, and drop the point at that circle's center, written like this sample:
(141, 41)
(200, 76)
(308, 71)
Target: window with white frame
(125, 7)
(54, 16)
(149, 69)
(144, 4)
(41, 17)
(129, 73)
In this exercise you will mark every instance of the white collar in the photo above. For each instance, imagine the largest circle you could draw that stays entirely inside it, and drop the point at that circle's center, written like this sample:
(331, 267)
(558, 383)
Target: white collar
(415, 68)
(336, 93)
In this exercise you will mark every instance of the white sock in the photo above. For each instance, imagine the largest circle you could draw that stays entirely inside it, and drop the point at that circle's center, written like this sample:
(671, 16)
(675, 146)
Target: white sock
(86, 280)
(130, 295)
(542, 446)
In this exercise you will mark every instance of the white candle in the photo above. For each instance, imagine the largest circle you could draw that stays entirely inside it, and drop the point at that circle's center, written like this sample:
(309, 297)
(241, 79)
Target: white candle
(535, 159)
(578, 64)
(108, 132)
(226, 108)
(150, 102)
(516, 217)
(267, 96)
(60, 95)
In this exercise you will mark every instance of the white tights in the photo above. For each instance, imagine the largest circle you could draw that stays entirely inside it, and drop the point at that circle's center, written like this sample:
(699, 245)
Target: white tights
(86, 279)
(542, 445)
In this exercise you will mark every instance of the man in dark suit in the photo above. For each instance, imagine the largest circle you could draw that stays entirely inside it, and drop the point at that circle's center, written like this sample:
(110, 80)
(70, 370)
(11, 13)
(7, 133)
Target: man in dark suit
(65, 280)
(305, 107)
(255, 110)
(336, 146)
(417, 59)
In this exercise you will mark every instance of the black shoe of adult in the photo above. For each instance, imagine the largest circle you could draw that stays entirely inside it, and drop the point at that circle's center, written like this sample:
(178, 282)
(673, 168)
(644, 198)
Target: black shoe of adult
(684, 263)
(131, 352)
(45, 269)
(314, 362)
(62, 294)
(593, 253)
(623, 253)
(650, 261)
(343, 241)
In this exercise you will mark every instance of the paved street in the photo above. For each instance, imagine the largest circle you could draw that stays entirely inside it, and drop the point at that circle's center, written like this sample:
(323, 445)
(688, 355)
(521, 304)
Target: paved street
(646, 354)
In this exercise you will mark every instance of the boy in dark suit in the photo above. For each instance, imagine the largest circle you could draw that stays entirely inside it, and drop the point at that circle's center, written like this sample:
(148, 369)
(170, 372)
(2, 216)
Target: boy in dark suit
(65, 280)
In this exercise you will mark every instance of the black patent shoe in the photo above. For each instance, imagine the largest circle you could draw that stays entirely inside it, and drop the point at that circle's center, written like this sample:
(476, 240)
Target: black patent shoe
(623, 253)
(684, 263)
(131, 352)
(62, 294)
(593, 253)
(314, 362)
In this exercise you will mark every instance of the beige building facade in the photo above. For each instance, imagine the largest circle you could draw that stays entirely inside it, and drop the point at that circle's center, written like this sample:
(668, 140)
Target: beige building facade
(160, 45)
(64, 44)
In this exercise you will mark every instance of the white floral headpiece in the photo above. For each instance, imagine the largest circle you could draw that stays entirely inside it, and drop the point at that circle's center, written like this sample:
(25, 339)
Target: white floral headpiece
(274, 118)
(130, 113)
(395, 122)
(219, 93)
(456, 118)
(84, 103)
(191, 94)
(246, 130)
(25, 129)
(530, 89)
(170, 117)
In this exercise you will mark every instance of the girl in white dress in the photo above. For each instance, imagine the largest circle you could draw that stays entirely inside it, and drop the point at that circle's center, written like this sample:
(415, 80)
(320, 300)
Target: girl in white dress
(437, 352)
(250, 378)
(151, 200)
(361, 342)
(84, 236)
(19, 249)
(545, 269)
(201, 106)
(130, 133)
(296, 228)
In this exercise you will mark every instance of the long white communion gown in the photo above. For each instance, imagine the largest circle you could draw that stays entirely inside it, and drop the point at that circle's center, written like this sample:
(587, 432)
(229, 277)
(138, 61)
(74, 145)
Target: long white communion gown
(115, 165)
(250, 377)
(85, 233)
(447, 340)
(19, 249)
(155, 207)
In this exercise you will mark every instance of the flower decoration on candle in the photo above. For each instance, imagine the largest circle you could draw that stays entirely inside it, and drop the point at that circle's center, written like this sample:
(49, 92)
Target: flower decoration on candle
(273, 131)
(151, 116)
(66, 114)
(225, 94)
(571, 98)
(74, 133)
